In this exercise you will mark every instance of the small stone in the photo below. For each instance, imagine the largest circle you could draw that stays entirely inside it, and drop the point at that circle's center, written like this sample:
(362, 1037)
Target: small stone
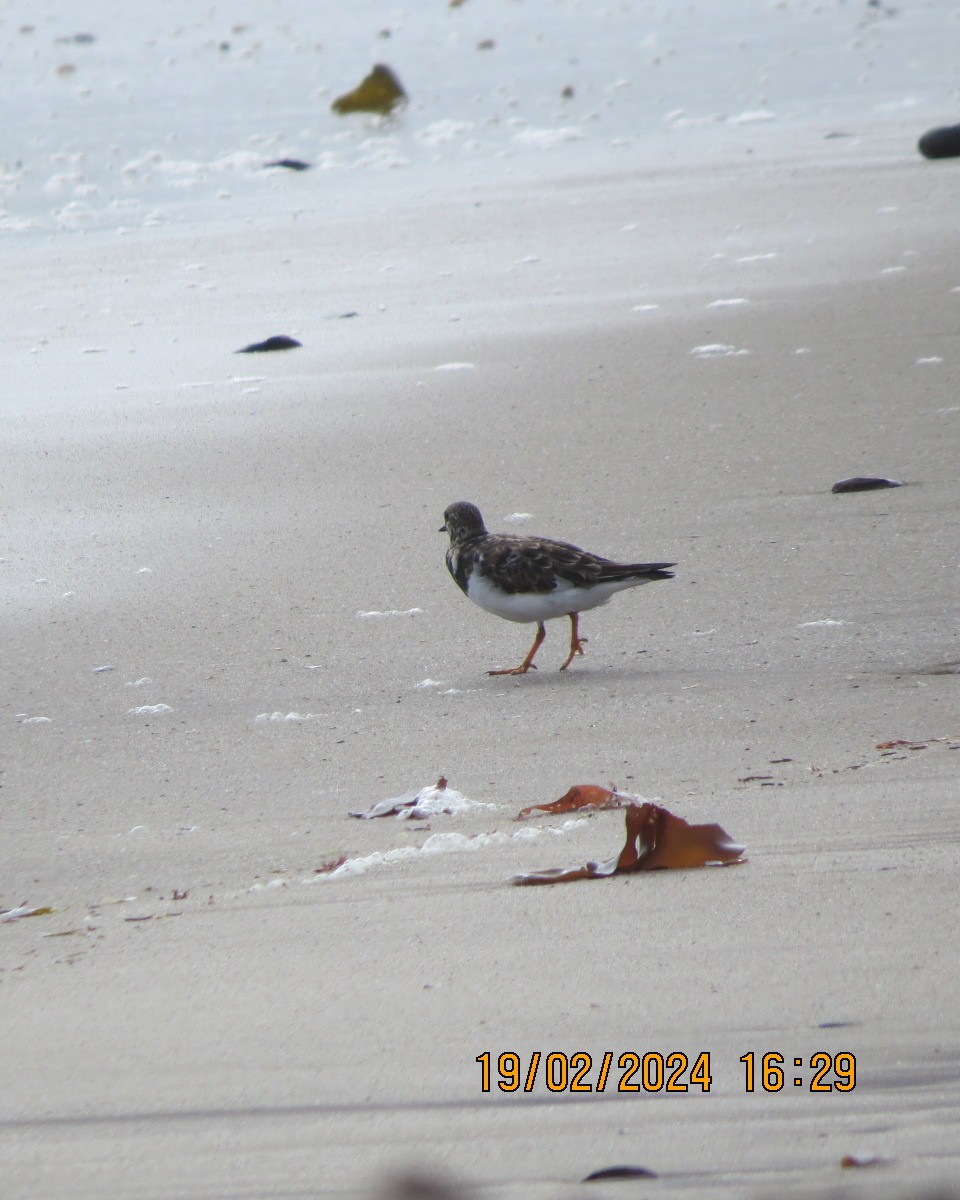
(278, 342)
(864, 483)
(943, 142)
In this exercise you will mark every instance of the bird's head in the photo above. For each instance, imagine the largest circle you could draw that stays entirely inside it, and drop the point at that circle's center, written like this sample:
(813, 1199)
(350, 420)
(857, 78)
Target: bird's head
(462, 520)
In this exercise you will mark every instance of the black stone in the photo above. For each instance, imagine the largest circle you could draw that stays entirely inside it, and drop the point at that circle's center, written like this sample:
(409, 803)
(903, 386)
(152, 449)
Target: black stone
(279, 342)
(864, 483)
(291, 164)
(943, 142)
(619, 1173)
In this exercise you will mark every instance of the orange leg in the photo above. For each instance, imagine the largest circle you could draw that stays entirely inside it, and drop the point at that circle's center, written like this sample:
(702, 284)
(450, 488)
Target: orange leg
(527, 663)
(577, 643)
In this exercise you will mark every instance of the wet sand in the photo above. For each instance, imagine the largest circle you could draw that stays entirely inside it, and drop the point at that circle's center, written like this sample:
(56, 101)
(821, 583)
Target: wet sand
(215, 526)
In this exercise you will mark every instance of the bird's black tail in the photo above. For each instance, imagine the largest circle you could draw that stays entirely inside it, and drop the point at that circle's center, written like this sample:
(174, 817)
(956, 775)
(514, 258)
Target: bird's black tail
(649, 571)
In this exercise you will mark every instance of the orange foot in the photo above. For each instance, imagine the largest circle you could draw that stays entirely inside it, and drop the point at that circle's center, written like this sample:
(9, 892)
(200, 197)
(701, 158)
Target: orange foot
(577, 643)
(527, 664)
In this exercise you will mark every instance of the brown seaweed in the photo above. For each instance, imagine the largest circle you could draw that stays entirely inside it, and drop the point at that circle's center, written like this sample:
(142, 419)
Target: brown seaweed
(582, 797)
(656, 840)
(380, 92)
(331, 864)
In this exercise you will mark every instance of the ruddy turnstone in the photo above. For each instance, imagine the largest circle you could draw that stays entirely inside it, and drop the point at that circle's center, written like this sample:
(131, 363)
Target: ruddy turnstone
(534, 579)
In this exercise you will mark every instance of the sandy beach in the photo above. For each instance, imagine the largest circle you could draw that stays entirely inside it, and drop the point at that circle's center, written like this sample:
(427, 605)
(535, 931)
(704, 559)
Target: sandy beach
(226, 623)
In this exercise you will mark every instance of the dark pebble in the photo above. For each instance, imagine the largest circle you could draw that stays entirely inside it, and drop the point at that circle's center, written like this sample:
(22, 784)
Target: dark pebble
(280, 342)
(619, 1173)
(941, 143)
(864, 483)
(292, 164)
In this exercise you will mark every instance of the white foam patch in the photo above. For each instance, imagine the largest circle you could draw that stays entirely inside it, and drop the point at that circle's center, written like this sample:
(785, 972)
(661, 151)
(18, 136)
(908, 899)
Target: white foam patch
(819, 624)
(374, 615)
(439, 132)
(452, 842)
(454, 366)
(145, 710)
(717, 350)
(438, 843)
(291, 718)
(751, 117)
(754, 258)
(360, 866)
(897, 105)
(529, 833)
(517, 518)
(733, 302)
(645, 308)
(72, 215)
(430, 683)
(545, 138)
(932, 359)
(35, 721)
(679, 118)
(17, 224)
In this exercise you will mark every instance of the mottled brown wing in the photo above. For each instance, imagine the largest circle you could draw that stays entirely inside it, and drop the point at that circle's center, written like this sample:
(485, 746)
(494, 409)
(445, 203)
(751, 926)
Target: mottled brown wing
(584, 569)
(520, 564)
(535, 564)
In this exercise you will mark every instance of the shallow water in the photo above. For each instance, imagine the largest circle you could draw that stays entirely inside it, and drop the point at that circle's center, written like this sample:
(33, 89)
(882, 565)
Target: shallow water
(167, 116)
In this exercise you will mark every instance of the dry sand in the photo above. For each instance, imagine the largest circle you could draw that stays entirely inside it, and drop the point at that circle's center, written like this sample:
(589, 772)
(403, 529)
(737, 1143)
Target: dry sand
(217, 534)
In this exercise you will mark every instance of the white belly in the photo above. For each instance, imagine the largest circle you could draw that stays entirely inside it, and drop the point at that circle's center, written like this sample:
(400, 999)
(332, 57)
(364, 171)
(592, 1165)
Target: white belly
(528, 607)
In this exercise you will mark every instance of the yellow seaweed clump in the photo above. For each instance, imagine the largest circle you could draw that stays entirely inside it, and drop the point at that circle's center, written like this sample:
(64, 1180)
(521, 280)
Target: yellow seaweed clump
(380, 92)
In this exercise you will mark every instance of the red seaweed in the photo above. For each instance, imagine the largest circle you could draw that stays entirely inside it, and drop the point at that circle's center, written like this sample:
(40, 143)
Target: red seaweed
(656, 840)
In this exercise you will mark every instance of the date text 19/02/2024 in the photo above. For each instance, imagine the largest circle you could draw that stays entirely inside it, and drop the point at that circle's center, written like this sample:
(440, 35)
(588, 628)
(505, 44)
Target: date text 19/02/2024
(632, 1071)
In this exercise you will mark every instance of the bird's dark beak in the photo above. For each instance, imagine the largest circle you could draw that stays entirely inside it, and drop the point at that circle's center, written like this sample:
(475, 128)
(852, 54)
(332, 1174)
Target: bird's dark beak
(442, 529)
